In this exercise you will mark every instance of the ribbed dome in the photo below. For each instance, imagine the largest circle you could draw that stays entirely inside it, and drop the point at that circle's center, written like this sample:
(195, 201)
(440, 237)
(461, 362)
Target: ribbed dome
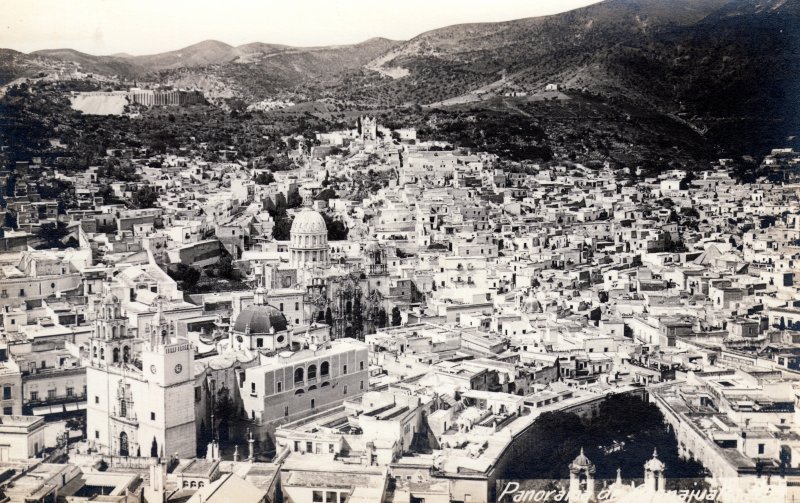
(654, 464)
(309, 221)
(260, 320)
(582, 461)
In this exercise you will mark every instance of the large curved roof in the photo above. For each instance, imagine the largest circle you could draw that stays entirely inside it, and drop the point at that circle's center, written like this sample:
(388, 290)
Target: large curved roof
(309, 221)
(260, 320)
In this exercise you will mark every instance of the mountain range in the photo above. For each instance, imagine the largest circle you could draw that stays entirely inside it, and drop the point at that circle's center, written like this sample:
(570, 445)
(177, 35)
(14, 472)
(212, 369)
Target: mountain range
(723, 67)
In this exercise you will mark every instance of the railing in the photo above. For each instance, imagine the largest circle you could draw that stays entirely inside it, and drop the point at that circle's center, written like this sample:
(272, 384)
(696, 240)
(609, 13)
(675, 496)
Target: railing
(56, 400)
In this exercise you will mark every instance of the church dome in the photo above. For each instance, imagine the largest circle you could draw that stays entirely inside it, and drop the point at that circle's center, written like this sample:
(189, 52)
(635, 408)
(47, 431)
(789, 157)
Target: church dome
(309, 221)
(582, 461)
(654, 464)
(260, 320)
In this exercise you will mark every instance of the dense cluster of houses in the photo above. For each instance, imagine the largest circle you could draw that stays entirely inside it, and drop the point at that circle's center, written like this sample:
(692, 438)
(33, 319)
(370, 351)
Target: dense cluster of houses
(407, 362)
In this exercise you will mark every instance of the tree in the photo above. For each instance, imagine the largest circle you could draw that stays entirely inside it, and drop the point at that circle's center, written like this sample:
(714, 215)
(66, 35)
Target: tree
(295, 200)
(225, 412)
(281, 229)
(381, 318)
(145, 197)
(225, 267)
(265, 178)
(396, 318)
(337, 230)
(188, 276)
(52, 236)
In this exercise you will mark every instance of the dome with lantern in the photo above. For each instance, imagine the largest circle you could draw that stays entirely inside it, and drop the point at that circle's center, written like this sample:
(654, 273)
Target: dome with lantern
(308, 240)
(582, 463)
(309, 221)
(261, 327)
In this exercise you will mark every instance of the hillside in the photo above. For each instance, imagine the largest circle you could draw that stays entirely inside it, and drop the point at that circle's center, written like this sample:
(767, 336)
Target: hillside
(703, 61)
(723, 68)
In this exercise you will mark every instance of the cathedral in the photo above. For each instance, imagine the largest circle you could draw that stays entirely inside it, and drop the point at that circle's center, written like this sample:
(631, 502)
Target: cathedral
(140, 391)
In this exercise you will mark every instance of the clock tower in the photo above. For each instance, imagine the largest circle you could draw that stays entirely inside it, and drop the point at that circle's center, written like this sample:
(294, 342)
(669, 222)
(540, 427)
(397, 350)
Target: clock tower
(168, 368)
(140, 390)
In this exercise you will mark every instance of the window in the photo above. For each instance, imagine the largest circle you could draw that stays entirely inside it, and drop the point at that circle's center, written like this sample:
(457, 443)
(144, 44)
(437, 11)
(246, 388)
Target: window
(298, 375)
(6, 392)
(331, 496)
(344, 369)
(296, 306)
(360, 365)
(280, 387)
(252, 388)
(51, 393)
(361, 385)
(70, 391)
(281, 306)
(760, 449)
(34, 395)
(316, 496)
(312, 371)
(96, 434)
(21, 292)
(152, 416)
(286, 411)
(309, 447)
(7, 411)
(324, 369)
(313, 403)
(96, 399)
(259, 342)
(345, 390)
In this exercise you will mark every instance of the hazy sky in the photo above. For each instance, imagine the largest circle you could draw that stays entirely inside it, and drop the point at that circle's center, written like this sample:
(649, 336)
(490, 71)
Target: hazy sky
(151, 26)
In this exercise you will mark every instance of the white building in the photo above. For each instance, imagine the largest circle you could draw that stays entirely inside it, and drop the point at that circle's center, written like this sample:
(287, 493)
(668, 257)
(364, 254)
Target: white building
(140, 404)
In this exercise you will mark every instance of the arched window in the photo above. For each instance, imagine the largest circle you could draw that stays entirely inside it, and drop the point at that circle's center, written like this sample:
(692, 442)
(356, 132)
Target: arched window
(114, 332)
(94, 351)
(123, 444)
(299, 392)
(312, 371)
(298, 375)
(324, 369)
(115, 355)
(102, 353)
(126, 354)
(312, 388)
(323, 385)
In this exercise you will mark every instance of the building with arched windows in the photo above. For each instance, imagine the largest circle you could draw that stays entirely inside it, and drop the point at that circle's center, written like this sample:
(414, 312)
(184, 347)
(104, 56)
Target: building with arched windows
(294, 384)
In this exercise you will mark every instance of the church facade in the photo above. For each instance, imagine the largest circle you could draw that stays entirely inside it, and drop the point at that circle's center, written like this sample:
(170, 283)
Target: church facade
(140, 392)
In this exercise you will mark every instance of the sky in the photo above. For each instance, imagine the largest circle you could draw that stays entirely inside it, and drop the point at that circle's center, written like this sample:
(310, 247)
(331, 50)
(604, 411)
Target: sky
(151, 26)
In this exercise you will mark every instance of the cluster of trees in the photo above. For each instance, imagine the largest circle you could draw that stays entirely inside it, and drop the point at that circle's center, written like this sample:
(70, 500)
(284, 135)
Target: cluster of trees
(145, 197)
(623, 435)
(55, 235)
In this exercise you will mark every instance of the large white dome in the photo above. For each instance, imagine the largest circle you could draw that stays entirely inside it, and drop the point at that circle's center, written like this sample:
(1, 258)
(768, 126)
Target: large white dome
(309, 221)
